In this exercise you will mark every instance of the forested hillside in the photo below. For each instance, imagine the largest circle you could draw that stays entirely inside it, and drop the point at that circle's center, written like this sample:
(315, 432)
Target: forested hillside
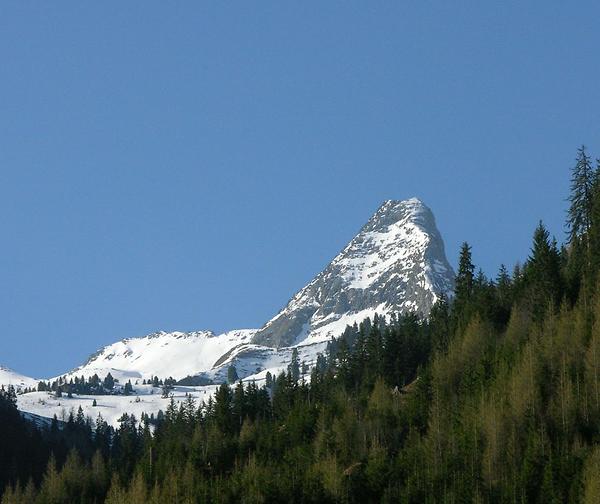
(494, 398)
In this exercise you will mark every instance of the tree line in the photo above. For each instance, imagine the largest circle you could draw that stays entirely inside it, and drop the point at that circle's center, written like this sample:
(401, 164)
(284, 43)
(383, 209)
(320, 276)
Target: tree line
(495, 397)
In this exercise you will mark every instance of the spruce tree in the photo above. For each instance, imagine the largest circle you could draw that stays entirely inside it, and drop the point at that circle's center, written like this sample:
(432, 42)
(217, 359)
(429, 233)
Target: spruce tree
(269, 380)
(128, 388)
(580, 199)
(503, 293)
(594, 232)
(464, 279)
(463, 289)
(223, 408)
(109, 382)
(542, 273)
(80, 418)
(294, 366)
(232, 375)
(439, 324)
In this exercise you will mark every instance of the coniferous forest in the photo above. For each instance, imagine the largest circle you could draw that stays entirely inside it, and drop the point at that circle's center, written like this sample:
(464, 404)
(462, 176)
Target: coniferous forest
(494, 398)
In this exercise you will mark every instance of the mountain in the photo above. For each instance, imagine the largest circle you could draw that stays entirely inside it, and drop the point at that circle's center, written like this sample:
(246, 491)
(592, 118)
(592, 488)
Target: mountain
(396, 263)
(162, 354)
(17, 380)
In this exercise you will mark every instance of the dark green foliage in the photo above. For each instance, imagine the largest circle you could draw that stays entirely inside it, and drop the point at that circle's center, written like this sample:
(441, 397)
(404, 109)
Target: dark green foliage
(542, 279)
(232, 375)
(583, 179)
(195, 381)
(109, 382)
(439, 324)
(128, 389)
(294, 366)
(80, 385)
(494, 398)
(463, 289)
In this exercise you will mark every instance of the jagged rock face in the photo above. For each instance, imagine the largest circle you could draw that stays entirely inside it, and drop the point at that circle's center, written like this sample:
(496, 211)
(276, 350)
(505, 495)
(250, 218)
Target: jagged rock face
(396, 263)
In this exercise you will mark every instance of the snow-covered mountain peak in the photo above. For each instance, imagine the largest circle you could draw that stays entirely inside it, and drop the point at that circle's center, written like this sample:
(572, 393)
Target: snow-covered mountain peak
(398, 213)
(396, 263)
(396, 230)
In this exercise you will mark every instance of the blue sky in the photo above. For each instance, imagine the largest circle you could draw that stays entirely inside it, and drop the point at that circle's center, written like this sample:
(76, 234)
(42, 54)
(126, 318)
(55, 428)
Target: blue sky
(191, 165)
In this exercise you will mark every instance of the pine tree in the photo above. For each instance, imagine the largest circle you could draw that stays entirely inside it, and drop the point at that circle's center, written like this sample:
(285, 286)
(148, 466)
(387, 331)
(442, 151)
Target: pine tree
(269, 380)
(439, 324)
(128, 388)
(239, 406)
(542, 273)
(223, 408)
(80, 418)
(582, 185)
(232, 375)
(463, 288)
(294, 366)
(594, 232)
(503, 285)
(109, 382)
(166, 390)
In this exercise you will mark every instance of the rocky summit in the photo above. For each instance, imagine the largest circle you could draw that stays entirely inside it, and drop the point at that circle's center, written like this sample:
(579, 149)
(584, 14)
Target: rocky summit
(396, 263)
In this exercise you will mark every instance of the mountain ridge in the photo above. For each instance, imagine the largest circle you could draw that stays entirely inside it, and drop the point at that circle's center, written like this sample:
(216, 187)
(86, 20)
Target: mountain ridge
(381, 266)
(396, 263)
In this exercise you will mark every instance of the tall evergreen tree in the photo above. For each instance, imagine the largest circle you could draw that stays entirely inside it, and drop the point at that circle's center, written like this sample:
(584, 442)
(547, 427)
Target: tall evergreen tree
(109, 382)
(128, 388)
(463, 288)
(503, 295)
(542, 273)
(232, 375)
(594, 232)
(464, 279)
(580, 199)
(439, 324)
(294, 366)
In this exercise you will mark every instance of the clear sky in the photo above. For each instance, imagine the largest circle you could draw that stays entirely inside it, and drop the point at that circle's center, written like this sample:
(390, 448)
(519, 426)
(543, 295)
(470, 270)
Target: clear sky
(190, 165)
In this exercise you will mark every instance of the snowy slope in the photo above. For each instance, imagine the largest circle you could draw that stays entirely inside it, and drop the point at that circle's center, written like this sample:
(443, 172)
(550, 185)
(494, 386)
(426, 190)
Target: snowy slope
(396, 263)
(111, 407)
(176, 354)
(17, 380)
